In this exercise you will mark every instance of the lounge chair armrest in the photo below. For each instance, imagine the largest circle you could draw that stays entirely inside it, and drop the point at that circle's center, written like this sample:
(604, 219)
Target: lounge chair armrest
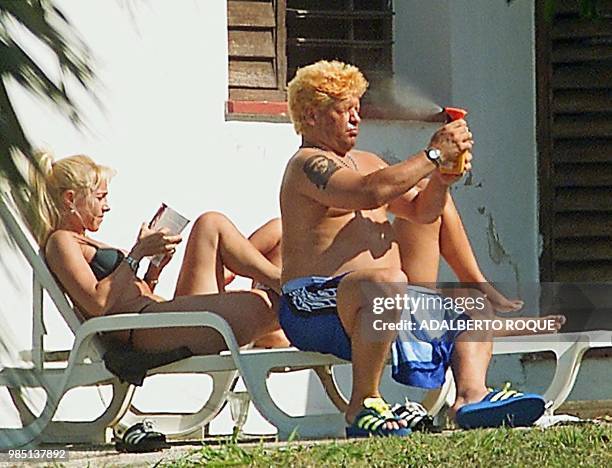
(121, 322)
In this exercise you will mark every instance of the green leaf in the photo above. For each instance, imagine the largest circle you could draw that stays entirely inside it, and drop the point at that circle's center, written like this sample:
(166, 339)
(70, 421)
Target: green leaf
(48, 25)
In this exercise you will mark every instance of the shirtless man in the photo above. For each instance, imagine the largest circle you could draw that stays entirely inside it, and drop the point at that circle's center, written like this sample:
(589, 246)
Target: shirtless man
(339, 252)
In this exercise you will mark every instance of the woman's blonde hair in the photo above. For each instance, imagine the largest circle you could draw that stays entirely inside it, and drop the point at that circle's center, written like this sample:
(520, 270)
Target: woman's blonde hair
(320, 84)
(49, 179)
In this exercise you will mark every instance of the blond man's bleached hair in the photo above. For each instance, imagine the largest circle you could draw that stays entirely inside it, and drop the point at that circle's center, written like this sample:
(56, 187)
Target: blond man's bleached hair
(320, 84)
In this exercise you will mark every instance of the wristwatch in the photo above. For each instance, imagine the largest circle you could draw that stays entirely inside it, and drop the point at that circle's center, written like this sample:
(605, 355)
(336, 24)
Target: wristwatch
(434, 155)
(132, 263)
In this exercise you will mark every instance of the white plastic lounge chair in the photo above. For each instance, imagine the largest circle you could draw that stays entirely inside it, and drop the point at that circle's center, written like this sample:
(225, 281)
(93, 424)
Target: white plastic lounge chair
(84, 366)
(568, 348)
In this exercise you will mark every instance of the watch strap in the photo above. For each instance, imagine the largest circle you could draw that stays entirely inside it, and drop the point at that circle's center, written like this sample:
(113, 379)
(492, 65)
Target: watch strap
(132, 263)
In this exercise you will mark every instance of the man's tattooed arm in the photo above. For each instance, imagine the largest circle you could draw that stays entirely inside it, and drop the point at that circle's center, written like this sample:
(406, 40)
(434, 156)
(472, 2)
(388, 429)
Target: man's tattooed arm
(319, 169)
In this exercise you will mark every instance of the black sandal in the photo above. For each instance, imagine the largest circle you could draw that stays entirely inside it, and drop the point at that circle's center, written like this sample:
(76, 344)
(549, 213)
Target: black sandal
(141, 437)
(415, 416)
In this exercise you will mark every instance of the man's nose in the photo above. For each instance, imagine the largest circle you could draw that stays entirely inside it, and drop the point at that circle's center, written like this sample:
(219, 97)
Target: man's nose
(355, 117)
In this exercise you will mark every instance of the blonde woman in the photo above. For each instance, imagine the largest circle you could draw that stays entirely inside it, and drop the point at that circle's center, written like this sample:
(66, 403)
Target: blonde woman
(70, 197)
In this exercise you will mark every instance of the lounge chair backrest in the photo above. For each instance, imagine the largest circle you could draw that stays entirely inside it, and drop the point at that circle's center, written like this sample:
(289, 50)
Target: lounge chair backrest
(43, 279)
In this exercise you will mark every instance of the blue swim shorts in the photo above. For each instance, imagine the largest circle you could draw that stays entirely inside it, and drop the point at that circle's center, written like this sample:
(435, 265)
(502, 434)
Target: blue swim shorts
(309, 317)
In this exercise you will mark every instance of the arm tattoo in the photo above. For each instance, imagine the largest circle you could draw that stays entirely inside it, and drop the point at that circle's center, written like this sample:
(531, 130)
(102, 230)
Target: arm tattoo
(319, 169)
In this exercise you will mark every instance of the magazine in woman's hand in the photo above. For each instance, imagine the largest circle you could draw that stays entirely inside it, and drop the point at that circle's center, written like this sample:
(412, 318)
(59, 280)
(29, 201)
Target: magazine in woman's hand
(167, 218)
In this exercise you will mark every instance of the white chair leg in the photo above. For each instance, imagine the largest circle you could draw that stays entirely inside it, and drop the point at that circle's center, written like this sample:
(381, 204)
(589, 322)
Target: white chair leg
(568, 365)
(308, 427)
(29, 434)
(25, 413)
(435, 399)
(330, 385)
(91, 431)
(176, 425)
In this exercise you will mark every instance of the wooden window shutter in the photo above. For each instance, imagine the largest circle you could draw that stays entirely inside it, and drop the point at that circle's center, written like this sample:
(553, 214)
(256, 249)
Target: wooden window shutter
(256, 43)
(359, 32)
(575, 143)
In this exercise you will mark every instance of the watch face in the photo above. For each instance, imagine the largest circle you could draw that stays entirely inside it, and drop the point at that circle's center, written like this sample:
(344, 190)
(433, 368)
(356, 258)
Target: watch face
(433, 154)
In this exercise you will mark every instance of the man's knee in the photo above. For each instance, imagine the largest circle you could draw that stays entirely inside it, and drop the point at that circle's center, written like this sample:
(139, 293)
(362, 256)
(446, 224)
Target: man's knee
(480, 336)
(380, 290)
(384, 276)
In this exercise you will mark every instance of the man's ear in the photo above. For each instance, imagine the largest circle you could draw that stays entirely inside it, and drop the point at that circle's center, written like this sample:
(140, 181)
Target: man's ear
(311, 116)
(68, 198)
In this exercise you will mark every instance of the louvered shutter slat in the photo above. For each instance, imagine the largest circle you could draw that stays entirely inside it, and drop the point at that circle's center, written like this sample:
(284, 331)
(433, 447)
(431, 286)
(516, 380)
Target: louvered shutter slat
(579, 145)
(255, 36)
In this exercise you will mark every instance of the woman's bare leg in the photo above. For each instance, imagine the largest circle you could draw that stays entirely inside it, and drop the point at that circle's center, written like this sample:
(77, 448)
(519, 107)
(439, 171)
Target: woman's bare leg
(420, 248)
(457, 251)
(215, 243)
(267, 240)
(422, 244)
(481, 309)
(250, 314)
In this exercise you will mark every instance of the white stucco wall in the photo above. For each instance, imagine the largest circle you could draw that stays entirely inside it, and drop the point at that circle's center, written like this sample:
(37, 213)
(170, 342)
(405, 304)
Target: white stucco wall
(163, 83)
(479, 55)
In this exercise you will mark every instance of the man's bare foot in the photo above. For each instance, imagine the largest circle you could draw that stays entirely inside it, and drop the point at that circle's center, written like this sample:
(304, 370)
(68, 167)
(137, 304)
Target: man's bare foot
(355, 408)
(507, 305)
(557, 321)
(472, 396)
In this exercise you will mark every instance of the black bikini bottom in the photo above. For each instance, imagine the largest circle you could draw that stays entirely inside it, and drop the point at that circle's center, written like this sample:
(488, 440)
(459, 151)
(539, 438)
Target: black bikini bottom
(130, 340)
(132, 366)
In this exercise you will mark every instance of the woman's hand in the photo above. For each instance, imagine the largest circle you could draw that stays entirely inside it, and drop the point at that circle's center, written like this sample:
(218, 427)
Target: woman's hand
(152, 242)
(153, 271)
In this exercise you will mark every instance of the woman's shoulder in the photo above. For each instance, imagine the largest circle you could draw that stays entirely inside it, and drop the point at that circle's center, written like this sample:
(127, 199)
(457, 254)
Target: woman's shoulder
(60, 240)
(62, 236)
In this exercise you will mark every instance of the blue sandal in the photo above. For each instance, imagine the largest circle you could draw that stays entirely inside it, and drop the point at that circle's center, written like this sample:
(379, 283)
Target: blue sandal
(371, 419)
(502, 407)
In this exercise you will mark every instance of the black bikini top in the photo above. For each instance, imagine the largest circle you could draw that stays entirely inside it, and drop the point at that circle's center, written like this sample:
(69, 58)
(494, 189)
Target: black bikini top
(105, 261)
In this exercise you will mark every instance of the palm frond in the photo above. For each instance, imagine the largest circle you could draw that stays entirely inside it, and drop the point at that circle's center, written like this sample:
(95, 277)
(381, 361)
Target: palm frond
(18, 65)
(47, 24)
(50, 26)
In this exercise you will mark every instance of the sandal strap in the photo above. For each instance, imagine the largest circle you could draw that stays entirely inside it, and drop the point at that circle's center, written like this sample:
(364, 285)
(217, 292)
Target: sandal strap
(503, 394)
(415, 415)
(380, 406)
(374, 414)
(141, 437)
(369, 420)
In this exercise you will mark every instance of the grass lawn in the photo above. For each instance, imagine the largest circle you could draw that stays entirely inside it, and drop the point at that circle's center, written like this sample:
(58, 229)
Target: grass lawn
(585, 445)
